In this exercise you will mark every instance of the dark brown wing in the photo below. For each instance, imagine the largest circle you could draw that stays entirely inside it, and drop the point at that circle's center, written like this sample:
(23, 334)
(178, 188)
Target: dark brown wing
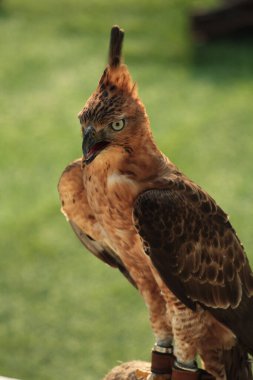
(197, 253)
(78, 213)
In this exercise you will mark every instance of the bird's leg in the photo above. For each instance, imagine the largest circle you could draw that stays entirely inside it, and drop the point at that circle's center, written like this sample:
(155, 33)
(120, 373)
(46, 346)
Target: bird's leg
(160, 324)
(162, 358)
(141, 273)
(162, 352)
(184, 323)
(184, 329)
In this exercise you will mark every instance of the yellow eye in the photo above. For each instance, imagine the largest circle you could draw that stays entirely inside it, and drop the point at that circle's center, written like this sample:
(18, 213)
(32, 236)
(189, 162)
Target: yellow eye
(118, 125)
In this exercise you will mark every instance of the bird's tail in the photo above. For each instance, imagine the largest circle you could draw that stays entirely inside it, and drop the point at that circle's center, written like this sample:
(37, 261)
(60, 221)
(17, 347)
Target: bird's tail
(238, 366)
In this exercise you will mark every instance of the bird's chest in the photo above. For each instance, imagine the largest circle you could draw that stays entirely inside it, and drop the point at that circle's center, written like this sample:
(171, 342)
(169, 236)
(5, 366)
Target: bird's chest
(111, 197)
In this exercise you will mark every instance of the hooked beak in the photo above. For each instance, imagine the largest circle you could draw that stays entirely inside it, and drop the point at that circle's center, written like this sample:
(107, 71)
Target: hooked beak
(92, 145)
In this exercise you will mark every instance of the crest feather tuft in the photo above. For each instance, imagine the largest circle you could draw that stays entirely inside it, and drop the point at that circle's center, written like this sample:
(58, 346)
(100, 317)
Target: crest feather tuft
(116, 42)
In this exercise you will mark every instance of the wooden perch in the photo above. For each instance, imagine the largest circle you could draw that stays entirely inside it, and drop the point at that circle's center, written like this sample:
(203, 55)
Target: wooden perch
(135, 370)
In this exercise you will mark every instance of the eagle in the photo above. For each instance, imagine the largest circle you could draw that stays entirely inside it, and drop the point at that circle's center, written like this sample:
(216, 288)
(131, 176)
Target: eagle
(136, 211)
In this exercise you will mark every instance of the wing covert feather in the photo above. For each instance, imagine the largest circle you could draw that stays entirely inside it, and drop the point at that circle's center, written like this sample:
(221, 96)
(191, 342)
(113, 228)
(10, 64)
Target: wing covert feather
(197, 253)
(193, 246)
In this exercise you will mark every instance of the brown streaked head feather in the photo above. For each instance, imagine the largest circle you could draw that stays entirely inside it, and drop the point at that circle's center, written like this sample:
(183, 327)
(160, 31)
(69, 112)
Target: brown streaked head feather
(116, 93)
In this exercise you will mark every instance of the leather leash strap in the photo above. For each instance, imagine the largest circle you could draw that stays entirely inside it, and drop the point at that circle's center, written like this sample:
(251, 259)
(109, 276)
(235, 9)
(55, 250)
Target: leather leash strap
(162, 363)
(178, 374)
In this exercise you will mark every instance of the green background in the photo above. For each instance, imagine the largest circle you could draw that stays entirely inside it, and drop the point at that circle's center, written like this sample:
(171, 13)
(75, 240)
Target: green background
(63, 314)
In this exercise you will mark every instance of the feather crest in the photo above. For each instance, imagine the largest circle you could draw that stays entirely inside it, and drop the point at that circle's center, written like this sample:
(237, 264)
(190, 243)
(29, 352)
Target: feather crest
(115, 48)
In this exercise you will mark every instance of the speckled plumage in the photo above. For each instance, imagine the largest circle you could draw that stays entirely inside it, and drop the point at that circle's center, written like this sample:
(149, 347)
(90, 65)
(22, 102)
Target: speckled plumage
(136, 211)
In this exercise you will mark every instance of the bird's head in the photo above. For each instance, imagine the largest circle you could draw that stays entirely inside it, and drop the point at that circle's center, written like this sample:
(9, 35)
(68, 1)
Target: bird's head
(114, 115)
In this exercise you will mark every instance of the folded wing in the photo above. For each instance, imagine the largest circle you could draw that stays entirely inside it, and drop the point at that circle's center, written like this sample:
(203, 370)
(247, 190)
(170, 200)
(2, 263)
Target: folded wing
(197, 253)
(79, 215)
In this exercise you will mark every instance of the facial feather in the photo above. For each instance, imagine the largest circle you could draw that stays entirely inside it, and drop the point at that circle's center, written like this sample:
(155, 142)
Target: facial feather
(116, 99)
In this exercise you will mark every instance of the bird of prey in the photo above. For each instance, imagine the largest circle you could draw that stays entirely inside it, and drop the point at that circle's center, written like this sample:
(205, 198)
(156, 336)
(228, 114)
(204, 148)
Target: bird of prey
(133, 209)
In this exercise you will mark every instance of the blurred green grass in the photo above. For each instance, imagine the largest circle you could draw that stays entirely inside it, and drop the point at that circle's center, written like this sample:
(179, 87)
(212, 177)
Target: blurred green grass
(63, 314)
